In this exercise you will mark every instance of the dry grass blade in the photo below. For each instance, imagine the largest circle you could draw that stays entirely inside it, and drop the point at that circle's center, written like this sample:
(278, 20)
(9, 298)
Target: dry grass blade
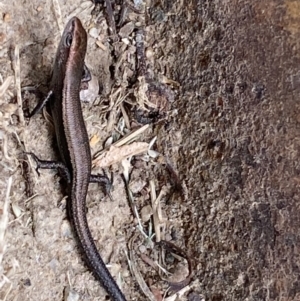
(3, 137)
(101, 45)
(154, 208)
(17, 69)
(4, 219)
(140, 280)
(58, 15)
(112, 108)
(158, 219)
(131, 136)
(117, 154)
(115, 100)
(84, 6)
(179, 294)
(31, 164)
(125, 116)
(3, 227)
(125, 140)
(178, 253)
(9, 289)
(136, 273)
(126, 165)
(5, 85)
(162, 193)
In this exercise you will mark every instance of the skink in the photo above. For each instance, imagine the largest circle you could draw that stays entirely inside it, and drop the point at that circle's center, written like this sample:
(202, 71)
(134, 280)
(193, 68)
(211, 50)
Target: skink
(73, 143)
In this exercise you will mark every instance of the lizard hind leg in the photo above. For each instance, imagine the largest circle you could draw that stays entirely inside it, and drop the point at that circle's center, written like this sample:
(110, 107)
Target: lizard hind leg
(104, 181)
(43, 164)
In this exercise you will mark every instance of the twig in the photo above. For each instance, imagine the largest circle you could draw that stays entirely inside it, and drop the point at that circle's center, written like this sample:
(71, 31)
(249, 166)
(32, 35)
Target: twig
(137, 274)
(140, 52)
(3, 227)
(58, 15)
(18, 84)
(154, 208)
(4, 219)
(111, 20)
(126, 139)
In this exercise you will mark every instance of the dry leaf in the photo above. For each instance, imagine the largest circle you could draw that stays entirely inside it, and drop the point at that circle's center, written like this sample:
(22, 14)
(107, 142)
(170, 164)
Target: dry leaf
(117, 154)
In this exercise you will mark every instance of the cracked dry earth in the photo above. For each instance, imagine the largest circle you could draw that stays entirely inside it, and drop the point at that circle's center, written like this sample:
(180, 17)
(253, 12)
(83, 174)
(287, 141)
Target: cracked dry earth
(231, 135)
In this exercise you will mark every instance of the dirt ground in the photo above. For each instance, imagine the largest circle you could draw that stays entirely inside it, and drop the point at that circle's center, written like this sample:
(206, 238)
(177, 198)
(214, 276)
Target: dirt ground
(228, 136)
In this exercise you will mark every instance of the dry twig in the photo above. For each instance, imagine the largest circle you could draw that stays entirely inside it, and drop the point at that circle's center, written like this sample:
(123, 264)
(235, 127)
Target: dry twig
(117, 154)
(17, 69)
(125, 140)
(137, 274)
(3, 227)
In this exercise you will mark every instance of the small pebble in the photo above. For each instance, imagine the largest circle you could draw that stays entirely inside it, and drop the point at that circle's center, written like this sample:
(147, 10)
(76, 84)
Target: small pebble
(16, 210)
(6, 17)
(126, 41)
(94, 33)
(149, 53)
(142, 249)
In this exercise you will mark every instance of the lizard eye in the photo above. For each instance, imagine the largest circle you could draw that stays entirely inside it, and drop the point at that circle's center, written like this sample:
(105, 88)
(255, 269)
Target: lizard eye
(68, 40)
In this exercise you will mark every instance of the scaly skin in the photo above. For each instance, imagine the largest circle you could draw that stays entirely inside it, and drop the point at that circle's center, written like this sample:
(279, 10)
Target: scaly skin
(73, 142)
